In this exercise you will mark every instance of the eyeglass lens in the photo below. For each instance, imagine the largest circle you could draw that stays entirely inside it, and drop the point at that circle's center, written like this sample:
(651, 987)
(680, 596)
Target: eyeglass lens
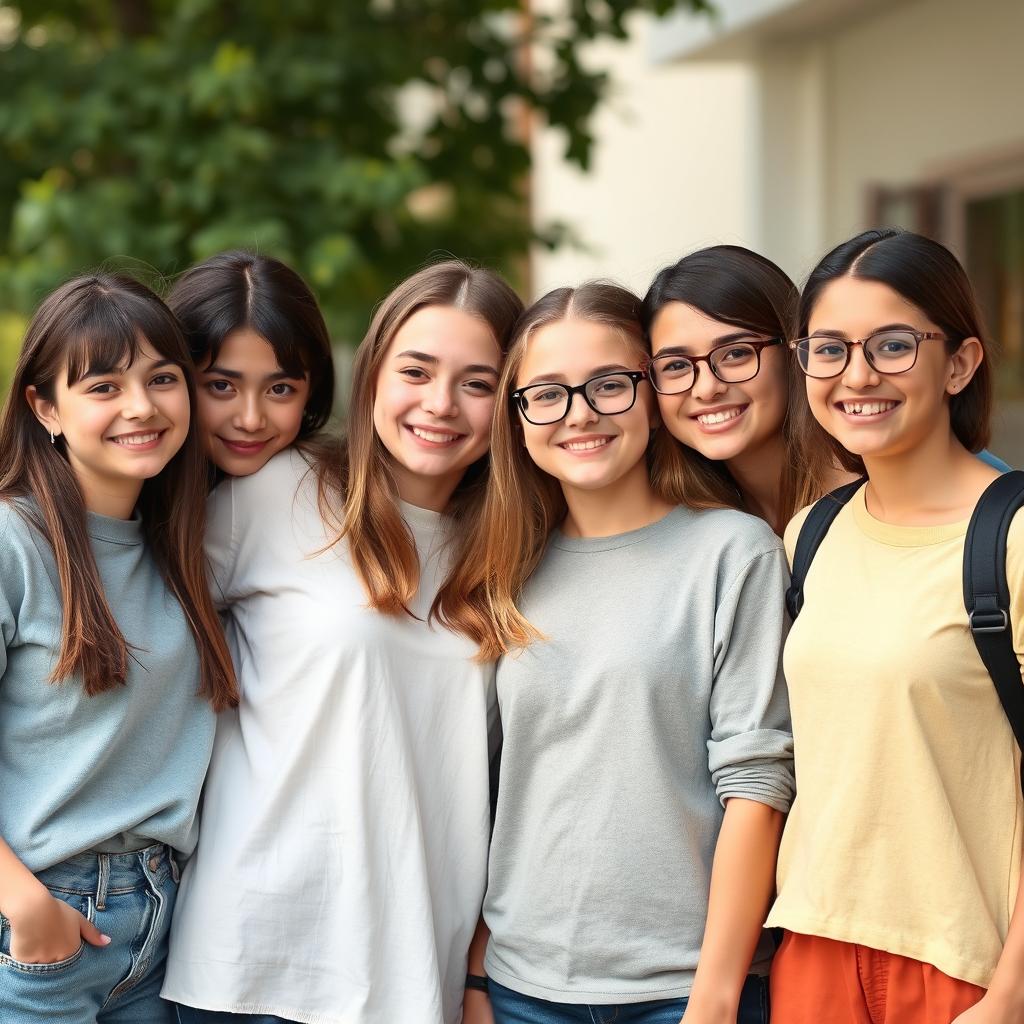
(731, 364)
(888, 352)
(608, 395)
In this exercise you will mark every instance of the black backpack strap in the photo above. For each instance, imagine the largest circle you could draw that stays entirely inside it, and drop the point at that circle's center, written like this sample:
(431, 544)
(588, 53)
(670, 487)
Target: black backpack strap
(987, 593)
(812, 533)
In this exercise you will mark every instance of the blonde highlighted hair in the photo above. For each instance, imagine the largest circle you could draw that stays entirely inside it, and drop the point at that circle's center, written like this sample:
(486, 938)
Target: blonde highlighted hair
(382, 548)
(523, 504)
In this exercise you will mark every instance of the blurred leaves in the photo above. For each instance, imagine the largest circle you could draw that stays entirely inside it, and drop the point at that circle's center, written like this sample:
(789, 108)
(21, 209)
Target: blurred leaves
(351, 139)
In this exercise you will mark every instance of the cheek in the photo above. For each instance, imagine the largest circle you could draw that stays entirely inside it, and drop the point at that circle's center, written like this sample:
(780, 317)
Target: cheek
(210, 413)
(818, 395)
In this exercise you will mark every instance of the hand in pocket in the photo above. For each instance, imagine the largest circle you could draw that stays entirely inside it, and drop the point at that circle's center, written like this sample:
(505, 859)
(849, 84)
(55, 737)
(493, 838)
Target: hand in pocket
(51, 931)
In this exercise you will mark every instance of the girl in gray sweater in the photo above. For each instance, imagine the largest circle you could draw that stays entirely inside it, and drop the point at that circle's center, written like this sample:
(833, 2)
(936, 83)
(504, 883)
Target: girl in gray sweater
(647, 750)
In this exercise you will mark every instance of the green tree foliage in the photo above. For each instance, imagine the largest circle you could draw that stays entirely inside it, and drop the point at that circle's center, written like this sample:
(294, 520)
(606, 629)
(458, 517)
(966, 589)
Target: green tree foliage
(351, 138)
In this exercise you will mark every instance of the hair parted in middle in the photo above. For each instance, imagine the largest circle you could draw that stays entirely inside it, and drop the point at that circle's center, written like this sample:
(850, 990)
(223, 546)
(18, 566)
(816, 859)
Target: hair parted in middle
(523, 503)
(382, 548)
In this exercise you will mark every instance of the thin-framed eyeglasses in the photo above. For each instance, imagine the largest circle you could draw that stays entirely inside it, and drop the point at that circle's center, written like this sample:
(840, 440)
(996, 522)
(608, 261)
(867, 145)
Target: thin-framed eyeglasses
(888, 351)
(673, 373)
(608, 394)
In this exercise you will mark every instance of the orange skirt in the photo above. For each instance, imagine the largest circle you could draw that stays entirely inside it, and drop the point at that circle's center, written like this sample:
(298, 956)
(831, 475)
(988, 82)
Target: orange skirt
(821, 981)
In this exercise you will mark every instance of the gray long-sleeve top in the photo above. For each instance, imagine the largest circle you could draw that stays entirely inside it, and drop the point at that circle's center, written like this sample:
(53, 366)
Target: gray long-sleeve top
(656, 696)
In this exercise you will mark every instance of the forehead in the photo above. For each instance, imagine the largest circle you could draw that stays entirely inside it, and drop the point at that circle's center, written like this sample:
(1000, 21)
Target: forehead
(572, 348)
(446, 333)
(679, 325)
(246, 352)
(857, 307)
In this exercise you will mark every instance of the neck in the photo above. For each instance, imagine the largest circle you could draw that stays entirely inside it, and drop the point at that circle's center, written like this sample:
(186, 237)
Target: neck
(758, 474)
(628, 504)
(114, 498)
(429, 492)
(934, 482)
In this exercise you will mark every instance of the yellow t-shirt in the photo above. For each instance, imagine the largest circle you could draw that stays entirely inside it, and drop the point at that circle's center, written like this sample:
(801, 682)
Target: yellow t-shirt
(906, 831)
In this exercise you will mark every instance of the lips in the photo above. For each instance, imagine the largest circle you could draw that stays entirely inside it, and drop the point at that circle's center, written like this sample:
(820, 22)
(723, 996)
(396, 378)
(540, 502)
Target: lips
(434, 436)
(243, 447)
(140, 440)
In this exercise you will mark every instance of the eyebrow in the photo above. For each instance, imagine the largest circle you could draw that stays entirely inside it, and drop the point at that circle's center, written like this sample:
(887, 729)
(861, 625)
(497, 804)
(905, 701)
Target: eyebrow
(111, 371)
(560, 378)
(825, 332)
(221, 371)
(423, 357)
(685, 350)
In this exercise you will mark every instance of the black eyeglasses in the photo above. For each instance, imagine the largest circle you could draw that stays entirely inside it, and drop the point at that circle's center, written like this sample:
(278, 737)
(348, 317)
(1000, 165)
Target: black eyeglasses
(608, 394)
(822, 356)
(732, 363)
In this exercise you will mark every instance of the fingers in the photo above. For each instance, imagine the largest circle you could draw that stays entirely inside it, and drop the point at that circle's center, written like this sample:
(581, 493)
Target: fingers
(92, 934)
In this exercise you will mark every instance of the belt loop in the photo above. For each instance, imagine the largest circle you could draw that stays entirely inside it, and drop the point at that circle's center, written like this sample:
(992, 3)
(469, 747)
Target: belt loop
(172, 857)
(103, 882)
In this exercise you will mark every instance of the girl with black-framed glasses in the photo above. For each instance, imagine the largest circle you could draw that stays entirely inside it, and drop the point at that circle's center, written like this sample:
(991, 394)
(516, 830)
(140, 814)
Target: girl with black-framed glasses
(646, 760)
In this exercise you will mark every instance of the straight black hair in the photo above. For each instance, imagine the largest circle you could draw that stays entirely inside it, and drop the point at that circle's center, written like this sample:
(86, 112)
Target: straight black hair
(246, 290)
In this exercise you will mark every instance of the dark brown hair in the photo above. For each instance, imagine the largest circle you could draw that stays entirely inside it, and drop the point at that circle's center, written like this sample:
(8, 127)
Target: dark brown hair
(382, 548)
(929, 276)
(236, 290)
(740, 287)
(97, 323)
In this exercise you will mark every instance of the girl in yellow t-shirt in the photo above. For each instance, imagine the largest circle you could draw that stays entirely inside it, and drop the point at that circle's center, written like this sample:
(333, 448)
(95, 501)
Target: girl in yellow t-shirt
(899, 872)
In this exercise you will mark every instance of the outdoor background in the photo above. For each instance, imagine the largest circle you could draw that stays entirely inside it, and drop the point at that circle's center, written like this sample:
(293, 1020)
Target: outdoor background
(554, 140)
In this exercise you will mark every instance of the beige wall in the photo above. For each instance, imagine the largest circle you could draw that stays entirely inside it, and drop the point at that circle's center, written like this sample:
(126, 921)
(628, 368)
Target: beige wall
(670, 170)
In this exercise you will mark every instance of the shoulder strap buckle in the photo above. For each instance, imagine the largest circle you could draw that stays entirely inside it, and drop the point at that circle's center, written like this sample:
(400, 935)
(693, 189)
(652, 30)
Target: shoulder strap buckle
(989, 620)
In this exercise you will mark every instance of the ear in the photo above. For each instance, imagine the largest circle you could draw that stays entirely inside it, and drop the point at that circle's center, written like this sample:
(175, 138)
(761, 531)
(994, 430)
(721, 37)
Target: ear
(44, 410)
(963, 364)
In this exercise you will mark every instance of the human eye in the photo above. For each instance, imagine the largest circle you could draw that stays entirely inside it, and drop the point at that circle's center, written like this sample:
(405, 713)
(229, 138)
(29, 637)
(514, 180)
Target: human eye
(103, 388)
(414, 374)
(219, 387)
(675, 366)
(480, 387)
(893, 344)
(610, 386)
(282, 390)
(545, 395)
(165, 380)
(827, 348)
(734, 354)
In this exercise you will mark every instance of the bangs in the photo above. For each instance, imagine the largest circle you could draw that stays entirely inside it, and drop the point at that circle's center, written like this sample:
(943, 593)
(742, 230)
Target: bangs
(111, 331)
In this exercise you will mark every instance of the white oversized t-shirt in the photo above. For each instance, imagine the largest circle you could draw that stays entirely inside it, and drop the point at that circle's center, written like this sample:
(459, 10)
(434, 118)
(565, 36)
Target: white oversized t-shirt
(343, 849)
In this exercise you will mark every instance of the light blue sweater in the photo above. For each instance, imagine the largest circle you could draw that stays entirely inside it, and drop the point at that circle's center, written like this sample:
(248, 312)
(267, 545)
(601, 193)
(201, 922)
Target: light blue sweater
(113, 772)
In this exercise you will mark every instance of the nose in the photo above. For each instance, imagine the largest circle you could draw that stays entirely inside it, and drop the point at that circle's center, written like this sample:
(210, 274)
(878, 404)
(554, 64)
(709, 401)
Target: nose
(138, 403)
(579, 412)
(859, 373)
(249, 417)
(706, 385)
(437, 399)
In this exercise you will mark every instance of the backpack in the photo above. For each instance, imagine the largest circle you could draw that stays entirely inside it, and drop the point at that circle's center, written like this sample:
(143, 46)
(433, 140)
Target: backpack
(986, 591)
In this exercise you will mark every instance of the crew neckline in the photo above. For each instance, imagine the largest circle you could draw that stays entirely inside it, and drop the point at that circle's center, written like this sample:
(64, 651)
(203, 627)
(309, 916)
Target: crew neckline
(420, 518)
(618, 540)
(115, 531)
(903, 536)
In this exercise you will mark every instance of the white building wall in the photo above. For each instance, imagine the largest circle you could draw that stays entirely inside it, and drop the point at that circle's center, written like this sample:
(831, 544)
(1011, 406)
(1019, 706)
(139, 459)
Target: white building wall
(671, 169)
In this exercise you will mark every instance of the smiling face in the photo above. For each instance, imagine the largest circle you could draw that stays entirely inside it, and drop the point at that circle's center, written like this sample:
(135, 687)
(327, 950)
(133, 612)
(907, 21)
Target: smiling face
(586, 450)
(870, 413)
(722, 421)
(433, 399)
(119, 427)
(249, 409)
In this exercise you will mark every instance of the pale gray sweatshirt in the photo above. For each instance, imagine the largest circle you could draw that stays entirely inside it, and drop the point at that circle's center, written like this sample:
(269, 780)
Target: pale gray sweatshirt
(656, 695)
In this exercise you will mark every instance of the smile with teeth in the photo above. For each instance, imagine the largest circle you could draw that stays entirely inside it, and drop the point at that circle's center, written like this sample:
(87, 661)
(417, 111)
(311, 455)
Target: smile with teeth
(434, 436)
(136, 440)
(585, 445)
(709, 419)
(867, 408)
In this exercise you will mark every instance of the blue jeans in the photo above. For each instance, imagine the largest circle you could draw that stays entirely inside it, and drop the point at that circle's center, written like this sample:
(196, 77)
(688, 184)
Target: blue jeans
(190, 1015)
(128, 896)
(512, 1008)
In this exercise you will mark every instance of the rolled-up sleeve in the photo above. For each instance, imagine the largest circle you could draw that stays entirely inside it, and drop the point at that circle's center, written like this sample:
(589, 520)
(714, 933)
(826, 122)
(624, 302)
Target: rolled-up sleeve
(750, 752)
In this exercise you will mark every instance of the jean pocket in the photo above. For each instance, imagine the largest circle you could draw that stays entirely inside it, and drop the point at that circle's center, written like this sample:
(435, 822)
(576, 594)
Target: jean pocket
(83, 904)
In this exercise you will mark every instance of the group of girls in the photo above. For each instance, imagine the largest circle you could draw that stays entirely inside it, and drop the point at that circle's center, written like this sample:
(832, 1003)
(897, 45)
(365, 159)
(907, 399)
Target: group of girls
(496, 726)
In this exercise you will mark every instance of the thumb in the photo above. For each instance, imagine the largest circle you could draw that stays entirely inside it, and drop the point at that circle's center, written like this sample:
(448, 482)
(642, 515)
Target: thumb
(92, 934)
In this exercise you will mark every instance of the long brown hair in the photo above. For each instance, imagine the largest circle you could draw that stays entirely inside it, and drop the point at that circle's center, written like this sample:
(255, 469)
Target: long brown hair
(740, 287)
(382, 548)
(98, 322)
(523, 503)
(928, 275)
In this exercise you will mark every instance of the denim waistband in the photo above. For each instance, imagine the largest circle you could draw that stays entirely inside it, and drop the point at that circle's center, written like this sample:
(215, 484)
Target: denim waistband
(100, 874)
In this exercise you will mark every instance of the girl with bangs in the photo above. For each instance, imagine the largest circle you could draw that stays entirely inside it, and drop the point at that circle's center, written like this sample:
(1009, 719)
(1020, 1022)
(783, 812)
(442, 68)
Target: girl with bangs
(343, 859)
(646, 763)
(900, 882)
(113, 660)
(718, 321)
